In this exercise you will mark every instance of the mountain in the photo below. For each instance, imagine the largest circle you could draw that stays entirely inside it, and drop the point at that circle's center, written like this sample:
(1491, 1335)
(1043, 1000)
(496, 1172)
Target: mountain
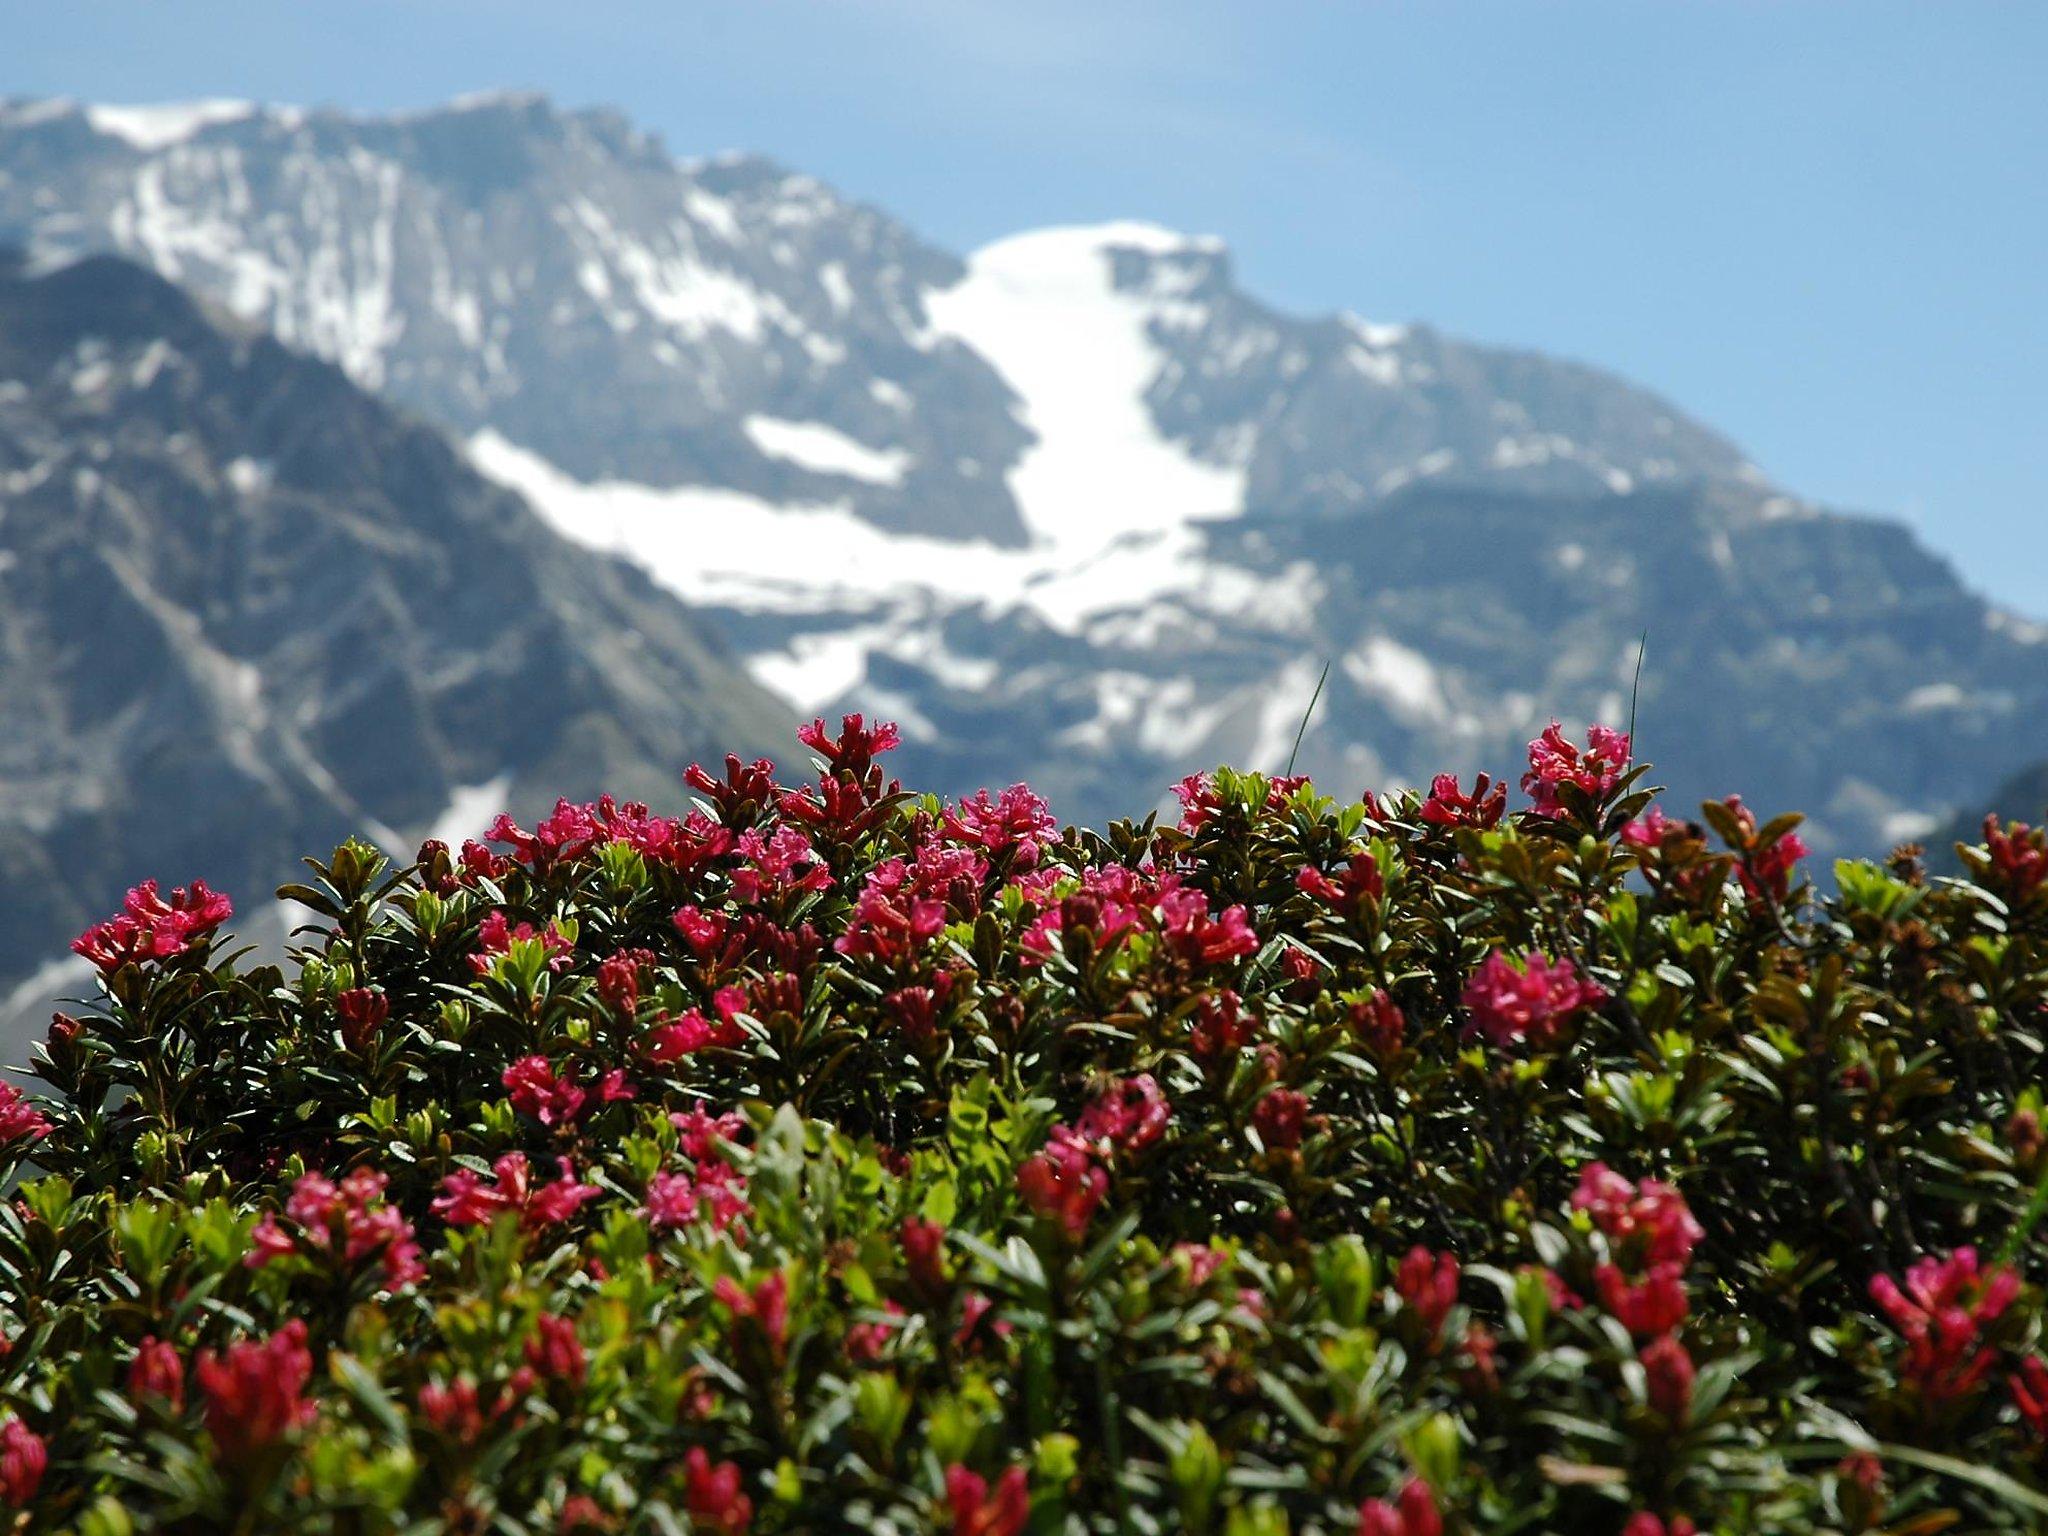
(2021, 797)
(247, 609)
(1077, 507)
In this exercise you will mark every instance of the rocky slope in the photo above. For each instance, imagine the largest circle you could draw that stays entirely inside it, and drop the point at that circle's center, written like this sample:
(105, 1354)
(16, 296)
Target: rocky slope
(247, 609)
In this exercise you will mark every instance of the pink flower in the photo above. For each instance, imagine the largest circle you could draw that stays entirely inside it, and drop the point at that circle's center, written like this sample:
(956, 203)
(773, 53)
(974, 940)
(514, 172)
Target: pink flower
(1379, 1023)
(866, 1341)
(711, 1493)
(150, 928)
(1942, 1312)
(670, 1040)
(1650, 830)
(1280, 1118)
(1414, 1513)
(554, 1351)
(924, 1254)
(1647, 1306)
(1668, 1373)
(1015, 822)
(1064, 1182)
(2019, 855)
(254, 1391)
(1644, 1523)
(1428, 1283)
(1554, 762)
(23, 1459)
(575, 830)
(783, 863)
(495, 937)
(156, 1371)
(1220, 1027)
(537, 1090)
(1185, 923)
(362, 1012)
(1645, 1223)
(1449, 806)
(766, 1306)
(2029, 1387)
(976, 1512)
(467, 1201)
(857, 746)
(1129, 1116)
(1358, 884)
(1531, 1002)
(712, 1190)
(888, 922)
(20, 1120)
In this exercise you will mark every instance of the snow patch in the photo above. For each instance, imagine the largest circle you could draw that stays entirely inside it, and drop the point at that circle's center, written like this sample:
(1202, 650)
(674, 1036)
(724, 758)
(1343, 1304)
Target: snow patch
(1043, 308)
(1404, 678)
(158, 127)
(469, 810)
(826, 450)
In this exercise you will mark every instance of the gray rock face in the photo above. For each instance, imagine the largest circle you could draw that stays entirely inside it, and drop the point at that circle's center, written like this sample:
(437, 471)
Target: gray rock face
(247, 610)
(1077, 508)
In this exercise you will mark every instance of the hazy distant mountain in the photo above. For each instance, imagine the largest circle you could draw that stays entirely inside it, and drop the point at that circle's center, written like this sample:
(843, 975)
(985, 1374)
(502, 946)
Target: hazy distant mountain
(247, 609)
(1077, 508)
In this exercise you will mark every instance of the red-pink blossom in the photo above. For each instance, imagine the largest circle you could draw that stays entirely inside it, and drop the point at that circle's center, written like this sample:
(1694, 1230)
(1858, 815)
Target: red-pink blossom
(554, 1351)
(978, 1512)
(711, 1494)
(1280, 1118)
(20, 1120)
(766, 1307)
(362, 1011)
(1942, 1311)
(1530, 1002)
(1646, 1305)
(1428, 1283)
(23, 1460)
(1449, 806)
(1668, 1376)
(495, 937)
(149, 928)
(1065, 1182)
(1555, 762)
(1645, 1223)
(1127, 1116)
(1413, 1513)
(156, 1371)
(2019, 857)
(467, 1201)
(254, 1390)
(1016, 822)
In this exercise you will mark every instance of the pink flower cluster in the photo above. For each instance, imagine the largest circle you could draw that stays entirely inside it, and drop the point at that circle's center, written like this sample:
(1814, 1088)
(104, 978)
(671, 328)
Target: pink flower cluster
(1555, 762)
(1069, 1179)
(1651, 1234)
(351, 1218)
(1509, 1004)
(708, 1187)
(1413, 1512)
(467, 1200)
(1942, 1311)
(1114, 900)
(254, 1391)
(149, 928)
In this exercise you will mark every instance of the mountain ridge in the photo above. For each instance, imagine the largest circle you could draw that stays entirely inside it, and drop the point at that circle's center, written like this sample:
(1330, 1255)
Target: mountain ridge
(1075, 507)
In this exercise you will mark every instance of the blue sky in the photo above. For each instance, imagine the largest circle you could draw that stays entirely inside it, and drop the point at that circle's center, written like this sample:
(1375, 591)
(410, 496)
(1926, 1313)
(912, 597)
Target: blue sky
(1818, 224)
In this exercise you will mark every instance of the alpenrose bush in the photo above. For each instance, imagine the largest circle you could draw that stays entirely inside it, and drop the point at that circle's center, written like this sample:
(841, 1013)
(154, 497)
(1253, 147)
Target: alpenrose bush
(831, 1158)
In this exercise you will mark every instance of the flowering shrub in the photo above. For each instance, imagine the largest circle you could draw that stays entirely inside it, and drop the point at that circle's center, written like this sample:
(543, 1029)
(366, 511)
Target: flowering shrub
(831, 1158)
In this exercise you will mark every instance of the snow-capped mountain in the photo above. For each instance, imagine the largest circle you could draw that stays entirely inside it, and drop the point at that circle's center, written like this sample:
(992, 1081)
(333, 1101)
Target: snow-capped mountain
(1077, 507)
(247, 610)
